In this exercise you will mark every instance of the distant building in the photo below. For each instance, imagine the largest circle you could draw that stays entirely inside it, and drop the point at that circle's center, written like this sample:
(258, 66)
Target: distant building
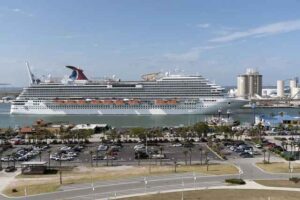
(249, 84)
(96, 128)
(276, 121)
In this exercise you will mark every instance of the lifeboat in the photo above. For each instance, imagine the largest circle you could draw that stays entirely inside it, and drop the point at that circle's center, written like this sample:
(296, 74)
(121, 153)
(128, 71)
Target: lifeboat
(96, 102)
(81, 102)
(172, 102)
(159, 102)
(119, 102)
(108, 102)
(59, 101)
(165, 102)
(134, 102)
(71, 102)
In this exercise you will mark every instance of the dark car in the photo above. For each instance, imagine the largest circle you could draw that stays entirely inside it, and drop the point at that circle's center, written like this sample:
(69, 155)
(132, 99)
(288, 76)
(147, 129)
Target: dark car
(188, 145)
(141, 155)
(246, 155)
(10, 169)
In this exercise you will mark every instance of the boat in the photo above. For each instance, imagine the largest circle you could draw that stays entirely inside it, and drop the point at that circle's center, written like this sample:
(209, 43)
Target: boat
(155, 94)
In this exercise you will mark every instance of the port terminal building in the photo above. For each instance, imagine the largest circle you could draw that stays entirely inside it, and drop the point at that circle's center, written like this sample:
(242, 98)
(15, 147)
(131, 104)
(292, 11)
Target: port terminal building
(276, 121)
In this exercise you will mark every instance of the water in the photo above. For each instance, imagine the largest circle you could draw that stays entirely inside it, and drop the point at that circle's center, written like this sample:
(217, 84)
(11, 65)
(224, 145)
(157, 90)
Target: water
(243, 115)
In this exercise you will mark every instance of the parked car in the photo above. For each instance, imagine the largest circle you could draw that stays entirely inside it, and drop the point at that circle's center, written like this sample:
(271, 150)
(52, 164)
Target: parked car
(10, 169)
(108, 157)
(102, 147)
(177, 145)
(246, 155)
(159, 156)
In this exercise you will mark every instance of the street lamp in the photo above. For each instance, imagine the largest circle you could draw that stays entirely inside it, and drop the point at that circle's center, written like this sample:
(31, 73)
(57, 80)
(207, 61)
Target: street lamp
(182, 184)
(195, 178)
(145, 182)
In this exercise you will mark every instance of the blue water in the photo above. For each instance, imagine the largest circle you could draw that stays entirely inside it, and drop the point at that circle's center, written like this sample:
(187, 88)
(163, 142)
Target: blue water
(243, 115)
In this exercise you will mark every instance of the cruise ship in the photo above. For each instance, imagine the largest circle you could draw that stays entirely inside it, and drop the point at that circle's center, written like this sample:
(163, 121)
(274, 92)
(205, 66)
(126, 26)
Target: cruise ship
(154, 94)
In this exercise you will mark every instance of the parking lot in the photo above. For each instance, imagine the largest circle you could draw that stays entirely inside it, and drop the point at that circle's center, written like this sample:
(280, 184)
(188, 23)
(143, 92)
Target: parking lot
(112, 154)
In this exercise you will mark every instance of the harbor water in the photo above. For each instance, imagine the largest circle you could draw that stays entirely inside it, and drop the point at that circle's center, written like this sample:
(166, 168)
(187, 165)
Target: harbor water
(243, 115)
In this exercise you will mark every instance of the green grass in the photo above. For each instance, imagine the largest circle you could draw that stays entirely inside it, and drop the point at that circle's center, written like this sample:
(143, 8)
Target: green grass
(279, 183)
(279, 167)
(223, 195)
(37, 184)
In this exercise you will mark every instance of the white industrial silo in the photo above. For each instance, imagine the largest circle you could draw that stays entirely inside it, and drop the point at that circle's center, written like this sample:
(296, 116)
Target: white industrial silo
(293, 83)
(242, 86)
(280, 88)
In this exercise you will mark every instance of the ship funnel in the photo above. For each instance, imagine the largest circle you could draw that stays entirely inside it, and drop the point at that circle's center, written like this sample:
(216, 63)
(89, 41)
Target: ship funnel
(77, 73)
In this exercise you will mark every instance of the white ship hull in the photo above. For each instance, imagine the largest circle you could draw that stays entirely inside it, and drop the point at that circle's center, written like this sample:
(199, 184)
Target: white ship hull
(203, 108)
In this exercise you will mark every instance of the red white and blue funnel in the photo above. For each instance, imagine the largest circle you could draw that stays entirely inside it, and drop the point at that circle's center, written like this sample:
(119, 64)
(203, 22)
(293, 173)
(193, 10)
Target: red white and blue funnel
(77, 73)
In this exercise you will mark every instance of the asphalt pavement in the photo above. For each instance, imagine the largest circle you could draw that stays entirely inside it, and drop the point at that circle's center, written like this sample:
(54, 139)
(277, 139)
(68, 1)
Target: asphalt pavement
(115, 188)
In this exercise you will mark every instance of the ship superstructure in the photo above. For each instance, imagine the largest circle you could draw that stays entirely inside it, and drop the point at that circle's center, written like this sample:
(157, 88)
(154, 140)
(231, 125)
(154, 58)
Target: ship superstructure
(156, 94)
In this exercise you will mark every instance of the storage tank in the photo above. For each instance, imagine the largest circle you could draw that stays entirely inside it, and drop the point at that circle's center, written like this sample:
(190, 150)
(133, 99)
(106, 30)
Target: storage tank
(295, 93)
(280, 88)
(293, 83)
(242, 86)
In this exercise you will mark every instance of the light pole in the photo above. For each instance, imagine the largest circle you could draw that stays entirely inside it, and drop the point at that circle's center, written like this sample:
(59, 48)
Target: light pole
(195, 178)
(93, 187)
(182, 184)
(25, 192)
(145, 182)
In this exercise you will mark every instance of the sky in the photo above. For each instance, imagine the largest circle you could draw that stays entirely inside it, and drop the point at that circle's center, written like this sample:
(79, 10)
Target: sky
(128, 38)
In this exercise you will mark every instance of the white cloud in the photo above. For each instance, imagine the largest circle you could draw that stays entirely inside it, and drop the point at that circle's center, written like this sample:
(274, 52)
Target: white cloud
(16, 10)
(190, 55)
(262, 31)
(206, 25)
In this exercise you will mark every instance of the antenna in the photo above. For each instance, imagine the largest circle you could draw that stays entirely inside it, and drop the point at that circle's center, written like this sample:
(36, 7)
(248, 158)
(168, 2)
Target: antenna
(31, 76)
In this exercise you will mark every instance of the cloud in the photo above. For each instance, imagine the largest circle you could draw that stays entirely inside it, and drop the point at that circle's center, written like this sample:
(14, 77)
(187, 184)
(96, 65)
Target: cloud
(16, 11)
(206, 25)
(262, 31)
(188, 56)
(191, 55)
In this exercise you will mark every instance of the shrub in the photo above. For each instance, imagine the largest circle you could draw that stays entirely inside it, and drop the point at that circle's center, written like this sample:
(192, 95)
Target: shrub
(14, 190)
(294, 179)
(235, 181)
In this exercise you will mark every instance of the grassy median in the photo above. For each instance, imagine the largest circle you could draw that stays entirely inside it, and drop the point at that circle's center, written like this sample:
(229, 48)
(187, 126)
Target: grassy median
(49, 183)
(279, 167)
(279, 183)
(223, 195)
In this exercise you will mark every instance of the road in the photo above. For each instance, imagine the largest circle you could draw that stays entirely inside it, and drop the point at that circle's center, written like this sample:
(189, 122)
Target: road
(110, 189)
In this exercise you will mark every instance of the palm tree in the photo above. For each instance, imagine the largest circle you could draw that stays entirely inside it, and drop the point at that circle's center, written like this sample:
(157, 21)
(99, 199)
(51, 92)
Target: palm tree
(264, 151)
(185, 152)
(40, 155)
(201, 151)
(49, 159)
(1, 159)
(269, 155)
(161, 153)
(13, 156)
(190, 152)
(91, 157)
